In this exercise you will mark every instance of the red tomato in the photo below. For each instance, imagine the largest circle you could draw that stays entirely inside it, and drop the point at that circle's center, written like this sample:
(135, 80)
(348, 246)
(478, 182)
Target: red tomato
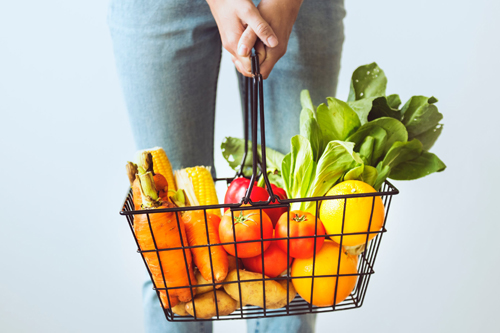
(238, 188)
(301, 224)
(275, 261)
(247, 224)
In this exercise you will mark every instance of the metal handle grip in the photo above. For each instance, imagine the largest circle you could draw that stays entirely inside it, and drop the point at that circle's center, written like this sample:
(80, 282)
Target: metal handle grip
(254, 97)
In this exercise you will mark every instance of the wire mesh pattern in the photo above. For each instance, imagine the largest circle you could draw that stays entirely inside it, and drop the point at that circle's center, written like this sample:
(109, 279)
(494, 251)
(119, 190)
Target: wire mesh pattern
(299, 305)
(365, 268)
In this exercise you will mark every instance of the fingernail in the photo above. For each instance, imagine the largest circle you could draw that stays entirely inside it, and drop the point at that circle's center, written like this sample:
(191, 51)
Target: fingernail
(272, 41)
(242, 50)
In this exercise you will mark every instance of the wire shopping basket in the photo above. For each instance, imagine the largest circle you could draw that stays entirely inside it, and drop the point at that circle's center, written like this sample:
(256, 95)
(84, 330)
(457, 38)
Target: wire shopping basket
(322, 278)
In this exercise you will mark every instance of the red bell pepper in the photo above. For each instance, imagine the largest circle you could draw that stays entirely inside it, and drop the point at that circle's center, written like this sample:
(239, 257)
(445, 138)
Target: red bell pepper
(238, 188)
(275, 213)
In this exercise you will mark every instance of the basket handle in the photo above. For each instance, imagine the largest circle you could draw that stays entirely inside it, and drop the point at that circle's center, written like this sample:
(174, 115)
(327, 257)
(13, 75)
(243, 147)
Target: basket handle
(254, 96)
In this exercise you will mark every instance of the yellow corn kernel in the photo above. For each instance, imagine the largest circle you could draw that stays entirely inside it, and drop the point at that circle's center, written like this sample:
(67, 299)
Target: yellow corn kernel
(204, 187)
(162, 165)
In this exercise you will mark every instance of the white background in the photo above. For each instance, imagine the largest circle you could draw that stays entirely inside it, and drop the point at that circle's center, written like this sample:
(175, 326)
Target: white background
(68, 259)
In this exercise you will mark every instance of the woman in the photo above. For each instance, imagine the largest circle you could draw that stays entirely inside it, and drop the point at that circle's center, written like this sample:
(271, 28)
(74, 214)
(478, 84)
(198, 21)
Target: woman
(168, 55)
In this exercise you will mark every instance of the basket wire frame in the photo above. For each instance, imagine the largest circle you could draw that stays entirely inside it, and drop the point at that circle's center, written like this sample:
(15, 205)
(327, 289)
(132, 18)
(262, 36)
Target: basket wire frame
(298, 305)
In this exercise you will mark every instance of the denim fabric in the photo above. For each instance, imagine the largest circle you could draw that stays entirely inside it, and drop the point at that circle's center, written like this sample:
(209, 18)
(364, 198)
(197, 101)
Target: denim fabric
(154, 318)
(168, 54)
(287, 324)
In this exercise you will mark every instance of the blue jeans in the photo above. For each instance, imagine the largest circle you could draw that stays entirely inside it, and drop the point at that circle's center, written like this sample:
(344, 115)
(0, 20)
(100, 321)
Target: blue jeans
(168, 54)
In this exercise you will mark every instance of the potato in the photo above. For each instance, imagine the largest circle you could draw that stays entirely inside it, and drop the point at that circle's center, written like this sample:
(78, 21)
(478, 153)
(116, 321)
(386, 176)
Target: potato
(205, 305)
(291, 294)
(232, 263)
(180, 309)
(201, 280)
(252, 293)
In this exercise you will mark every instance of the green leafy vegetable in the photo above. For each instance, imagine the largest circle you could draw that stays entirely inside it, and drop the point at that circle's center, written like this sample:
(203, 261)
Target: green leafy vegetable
(337, 120)
(401, 152)
(382, 174)
(369, 138)
(273, 158)
(367, 81)
(381, 108)
(421, 117)
(394, 128)
(365, 173)
(385, 131)
(276, 179)
(233, 150)
(408, 161)
(310, 130)
(413, 104)
(338, 158)
(429, 137)
(305, 100)
(419, 167)
(393, 101)
(286, 173)
(301, 167)
(306, 178)
(366, 149)
(362, 108)
(375, 133)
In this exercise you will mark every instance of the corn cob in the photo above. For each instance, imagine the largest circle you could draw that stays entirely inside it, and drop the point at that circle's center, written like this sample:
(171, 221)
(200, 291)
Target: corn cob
(186, 185)
(204, 187)
(161, 165)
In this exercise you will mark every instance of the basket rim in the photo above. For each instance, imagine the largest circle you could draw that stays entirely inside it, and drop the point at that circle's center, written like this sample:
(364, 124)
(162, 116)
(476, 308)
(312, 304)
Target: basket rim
(392, 190)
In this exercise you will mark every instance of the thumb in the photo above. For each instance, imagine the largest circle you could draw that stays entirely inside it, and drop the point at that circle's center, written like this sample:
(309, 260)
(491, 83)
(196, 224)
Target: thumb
(246, 42)
(261, 28)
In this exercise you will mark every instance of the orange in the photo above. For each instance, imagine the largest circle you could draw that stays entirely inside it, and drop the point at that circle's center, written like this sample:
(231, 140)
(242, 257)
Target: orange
(357, 213)
(326, 264)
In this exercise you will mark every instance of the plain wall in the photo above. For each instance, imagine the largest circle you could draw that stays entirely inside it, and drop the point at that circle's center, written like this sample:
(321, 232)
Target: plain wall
(68, 259)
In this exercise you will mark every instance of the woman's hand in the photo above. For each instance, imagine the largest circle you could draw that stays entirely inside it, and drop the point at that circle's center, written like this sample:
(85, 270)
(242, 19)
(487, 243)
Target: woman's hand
(232, 18)
(281, 16)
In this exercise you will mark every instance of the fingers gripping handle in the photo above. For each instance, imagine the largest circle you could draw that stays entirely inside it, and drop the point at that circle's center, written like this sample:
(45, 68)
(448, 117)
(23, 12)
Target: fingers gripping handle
(256, 100)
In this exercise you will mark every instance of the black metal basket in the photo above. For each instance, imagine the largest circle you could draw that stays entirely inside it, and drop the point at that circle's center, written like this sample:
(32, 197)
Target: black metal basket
(366, 259)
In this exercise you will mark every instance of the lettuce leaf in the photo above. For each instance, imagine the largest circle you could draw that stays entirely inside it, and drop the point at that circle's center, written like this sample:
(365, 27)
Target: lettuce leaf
(306, 101)
(338, 158)
(367, 81)
(233, 150)
(423, 165)
(409, 160)
(365, 173)
(310, 130)
(382, 174)
(421, 118)
(362, 108)
(298, 167)
(401, 152)
(393, 101)
(337, 120)
(381, 108)
(429, 137)
(286, 165)
(384, 132)
(370, 138)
